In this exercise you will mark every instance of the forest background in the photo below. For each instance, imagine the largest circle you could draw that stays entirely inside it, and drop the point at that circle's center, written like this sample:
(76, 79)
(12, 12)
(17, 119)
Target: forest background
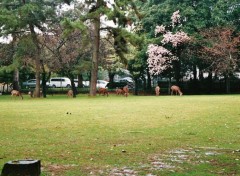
(79, 43)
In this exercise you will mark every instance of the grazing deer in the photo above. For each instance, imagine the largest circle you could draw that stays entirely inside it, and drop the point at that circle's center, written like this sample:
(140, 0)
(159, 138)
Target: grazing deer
(176, 89)
(126, 90)
(103, 91)
(157, 90)
(33, 93)
(70, 93)
(16, 93)
(119, 91)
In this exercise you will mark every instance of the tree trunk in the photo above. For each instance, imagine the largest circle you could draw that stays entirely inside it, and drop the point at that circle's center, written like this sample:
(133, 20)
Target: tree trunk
(73, 87)
(37, 61)
(169, 85)
(16, 80)
(136, 86)
(195, 73)
(177, 70)
(80, 80)
(95, 59)
(149, 81)
(194, 82)
(111, 76)
(227, 79)
(144, 84)
(210, 82)
(44, 81)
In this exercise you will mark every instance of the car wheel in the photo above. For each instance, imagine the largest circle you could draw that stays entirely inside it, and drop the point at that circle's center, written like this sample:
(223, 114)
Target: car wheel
(68, 86)
(53, 86)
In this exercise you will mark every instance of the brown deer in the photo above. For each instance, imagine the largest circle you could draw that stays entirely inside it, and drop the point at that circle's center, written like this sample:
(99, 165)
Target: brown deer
(119, 91)
(33, 93)
(16, 93)
(70, 93)
(103, 91)
(126, 90)
(177, 90)
(157, 90)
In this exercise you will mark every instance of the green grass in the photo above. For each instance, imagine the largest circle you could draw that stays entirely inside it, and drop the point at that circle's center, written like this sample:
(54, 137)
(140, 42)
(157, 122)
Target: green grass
(138, 134)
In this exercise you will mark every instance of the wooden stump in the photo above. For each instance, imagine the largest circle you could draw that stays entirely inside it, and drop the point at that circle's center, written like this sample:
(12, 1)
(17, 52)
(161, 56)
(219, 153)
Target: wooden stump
(22, 168)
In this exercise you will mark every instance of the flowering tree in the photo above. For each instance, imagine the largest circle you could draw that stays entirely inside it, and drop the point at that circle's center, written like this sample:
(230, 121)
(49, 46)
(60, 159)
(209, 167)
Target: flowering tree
(159, 57)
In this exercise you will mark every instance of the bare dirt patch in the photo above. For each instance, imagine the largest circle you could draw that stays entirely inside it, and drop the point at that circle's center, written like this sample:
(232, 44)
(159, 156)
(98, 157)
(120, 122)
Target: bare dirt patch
(57, 169)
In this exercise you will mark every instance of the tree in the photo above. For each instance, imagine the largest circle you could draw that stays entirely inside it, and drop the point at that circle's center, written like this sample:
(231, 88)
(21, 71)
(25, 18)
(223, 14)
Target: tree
(221, 51)
(26, 18)
(67, 51)
(198, 15)
(115, 11)
(160, 58)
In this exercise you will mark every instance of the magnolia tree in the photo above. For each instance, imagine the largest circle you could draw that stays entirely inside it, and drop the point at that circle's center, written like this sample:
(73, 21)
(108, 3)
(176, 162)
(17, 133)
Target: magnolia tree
(160, 58)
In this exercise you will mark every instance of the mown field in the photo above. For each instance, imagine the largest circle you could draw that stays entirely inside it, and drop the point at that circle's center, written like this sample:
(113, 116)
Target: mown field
(138, 135)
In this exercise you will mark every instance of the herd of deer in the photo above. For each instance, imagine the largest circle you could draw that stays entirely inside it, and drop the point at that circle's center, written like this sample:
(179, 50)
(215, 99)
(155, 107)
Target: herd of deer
(104, 91)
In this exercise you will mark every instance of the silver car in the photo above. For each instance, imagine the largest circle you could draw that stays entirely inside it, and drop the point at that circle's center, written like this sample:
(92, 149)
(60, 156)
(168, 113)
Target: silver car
(31, 83)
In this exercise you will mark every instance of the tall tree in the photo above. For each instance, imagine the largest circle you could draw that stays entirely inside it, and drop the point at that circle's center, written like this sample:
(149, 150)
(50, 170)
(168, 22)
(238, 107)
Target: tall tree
(198, 15)
(221, 51)
(67, 52)
(99, 13)
(166, 56)
(21, 18)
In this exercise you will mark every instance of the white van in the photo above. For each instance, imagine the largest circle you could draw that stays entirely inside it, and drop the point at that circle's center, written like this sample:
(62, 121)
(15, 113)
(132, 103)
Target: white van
(60, 82)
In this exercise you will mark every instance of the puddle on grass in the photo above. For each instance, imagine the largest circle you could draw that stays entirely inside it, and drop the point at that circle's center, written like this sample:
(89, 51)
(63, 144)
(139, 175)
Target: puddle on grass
(171, 161)
(167, 161)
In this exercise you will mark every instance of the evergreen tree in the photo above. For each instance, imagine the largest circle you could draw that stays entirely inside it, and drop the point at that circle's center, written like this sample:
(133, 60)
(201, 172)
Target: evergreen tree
(27, 18)
(99, 13)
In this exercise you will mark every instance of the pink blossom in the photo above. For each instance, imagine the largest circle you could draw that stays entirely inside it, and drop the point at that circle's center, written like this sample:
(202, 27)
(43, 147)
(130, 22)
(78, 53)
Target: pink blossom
(159, 59)
(159, 29)
(176, 18)
(176, 39)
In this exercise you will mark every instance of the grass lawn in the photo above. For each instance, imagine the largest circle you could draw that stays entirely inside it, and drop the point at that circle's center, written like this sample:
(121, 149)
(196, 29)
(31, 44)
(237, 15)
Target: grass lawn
(138, 135)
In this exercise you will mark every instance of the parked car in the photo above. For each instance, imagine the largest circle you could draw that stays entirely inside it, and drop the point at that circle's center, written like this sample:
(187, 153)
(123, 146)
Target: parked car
(126, 79)
(101, 83)
(59, 82)
(31, 83)
(85, 83)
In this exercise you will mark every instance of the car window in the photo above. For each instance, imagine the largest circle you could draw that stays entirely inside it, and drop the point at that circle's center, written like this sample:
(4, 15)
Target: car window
(55, 79)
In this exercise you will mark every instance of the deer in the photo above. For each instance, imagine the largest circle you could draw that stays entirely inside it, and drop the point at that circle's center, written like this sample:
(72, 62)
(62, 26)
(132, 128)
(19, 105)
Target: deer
(103, 91)
(119, 91)
(126, 90)
(16, 93)
(32, 93)
(177, 90)
(157, 90)
(70, 93)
